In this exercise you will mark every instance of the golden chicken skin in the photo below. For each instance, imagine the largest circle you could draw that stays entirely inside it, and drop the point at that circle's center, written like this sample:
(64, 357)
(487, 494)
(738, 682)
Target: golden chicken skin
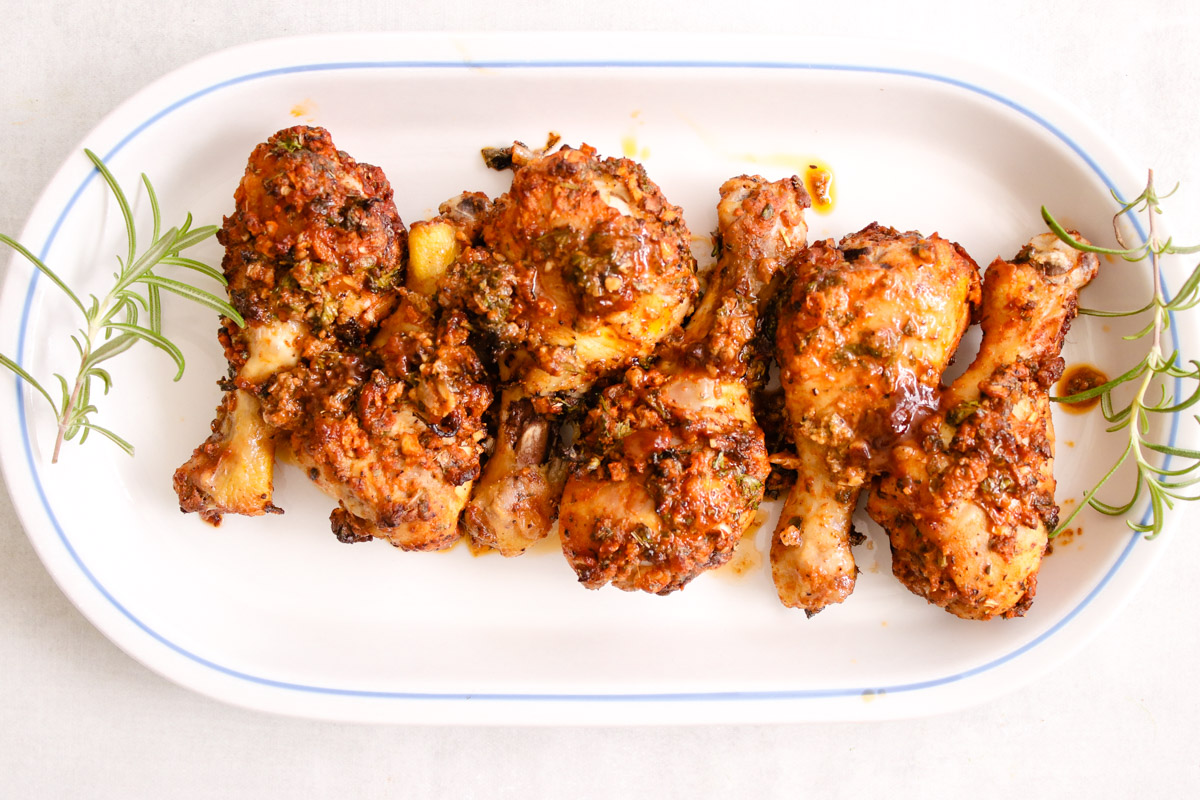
(863, 335)
(349, 374)
(580, 267)
(968, 498)
(671, 461)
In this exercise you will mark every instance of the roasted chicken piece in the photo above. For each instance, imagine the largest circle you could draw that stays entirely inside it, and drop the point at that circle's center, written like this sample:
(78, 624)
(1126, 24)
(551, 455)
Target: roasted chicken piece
(672, 463)
(968, 498)
(863, 335)
(312, 252)
(352, 376)
(581, 267)
(394, 432)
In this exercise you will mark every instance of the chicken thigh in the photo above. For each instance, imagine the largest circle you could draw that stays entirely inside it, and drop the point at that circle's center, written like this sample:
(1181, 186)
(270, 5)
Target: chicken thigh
(968, 498)
(671, 461)
(863, 335)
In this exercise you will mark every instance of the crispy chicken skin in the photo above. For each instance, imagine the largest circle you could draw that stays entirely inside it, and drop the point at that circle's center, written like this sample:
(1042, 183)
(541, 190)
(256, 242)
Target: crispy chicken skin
(864, 333)
(672, 463)
(581, 267)
(350, 375)
(968, 498)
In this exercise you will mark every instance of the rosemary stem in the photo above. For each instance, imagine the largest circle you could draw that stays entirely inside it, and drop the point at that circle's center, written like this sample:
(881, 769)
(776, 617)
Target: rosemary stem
(1135, 437)
(1156, 347)
(65, 420)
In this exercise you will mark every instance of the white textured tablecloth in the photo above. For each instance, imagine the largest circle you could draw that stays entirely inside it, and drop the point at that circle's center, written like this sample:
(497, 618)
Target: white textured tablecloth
(78, 718)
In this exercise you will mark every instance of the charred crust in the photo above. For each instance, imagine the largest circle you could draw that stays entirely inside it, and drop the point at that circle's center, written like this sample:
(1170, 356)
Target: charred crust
(497, 158)
(344, 527)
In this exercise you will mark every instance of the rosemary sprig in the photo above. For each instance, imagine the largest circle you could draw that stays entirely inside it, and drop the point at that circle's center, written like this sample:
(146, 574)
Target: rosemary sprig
(113, 324)
(1164, 485)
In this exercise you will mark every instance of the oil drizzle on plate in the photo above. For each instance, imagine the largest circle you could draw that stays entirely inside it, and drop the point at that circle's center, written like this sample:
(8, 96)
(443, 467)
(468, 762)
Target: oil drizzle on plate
(306, 110)
(746, 556)
(818, 180)
(631, 149)
(1080, 378)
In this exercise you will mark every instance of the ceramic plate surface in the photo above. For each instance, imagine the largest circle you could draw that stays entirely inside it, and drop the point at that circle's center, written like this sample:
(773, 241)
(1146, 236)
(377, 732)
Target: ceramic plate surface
(275, 614)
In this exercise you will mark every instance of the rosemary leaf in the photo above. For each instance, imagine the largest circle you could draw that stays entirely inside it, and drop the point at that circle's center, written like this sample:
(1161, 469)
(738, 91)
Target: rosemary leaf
(158, 340)
(198, 295)
(148, 261)
(49, 273)
(122, 203)
(155, 211)
(197, 266)
(1174, 451)
(112, 347)
(15, 367)
(185, 238)
(1062, 233)
(1092, 312)
(104, 377)
(114, 438)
